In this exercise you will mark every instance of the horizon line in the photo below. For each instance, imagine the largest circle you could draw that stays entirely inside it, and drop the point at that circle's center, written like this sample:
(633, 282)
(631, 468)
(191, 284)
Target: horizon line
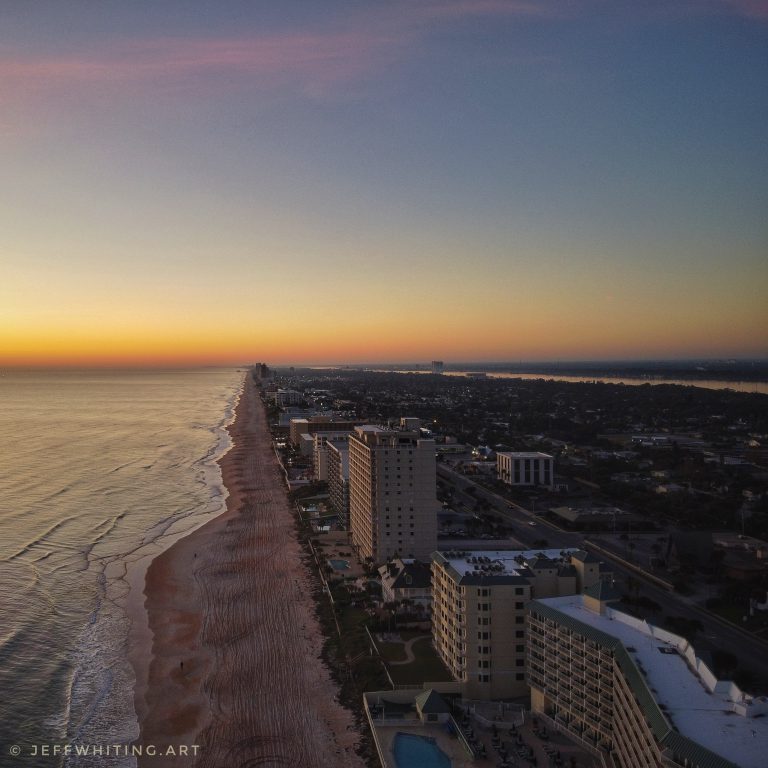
(466, 363)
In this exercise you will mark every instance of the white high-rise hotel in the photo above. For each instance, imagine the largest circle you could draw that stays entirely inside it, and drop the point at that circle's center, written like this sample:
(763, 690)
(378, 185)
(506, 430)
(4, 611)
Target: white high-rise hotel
(392, 493)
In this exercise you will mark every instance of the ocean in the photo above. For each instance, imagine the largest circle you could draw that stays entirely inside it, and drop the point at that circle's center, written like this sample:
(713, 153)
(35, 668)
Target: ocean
(99, 472)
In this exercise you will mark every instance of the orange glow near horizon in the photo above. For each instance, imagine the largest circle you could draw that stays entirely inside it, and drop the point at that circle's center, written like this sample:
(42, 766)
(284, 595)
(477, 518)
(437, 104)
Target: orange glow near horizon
(168, 307)
(455, 336)
(386, 183)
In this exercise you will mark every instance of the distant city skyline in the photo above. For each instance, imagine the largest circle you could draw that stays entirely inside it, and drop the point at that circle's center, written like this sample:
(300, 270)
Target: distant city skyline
(480, 180)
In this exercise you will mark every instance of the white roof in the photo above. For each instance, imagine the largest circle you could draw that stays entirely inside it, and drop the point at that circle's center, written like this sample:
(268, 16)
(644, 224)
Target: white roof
(709, 717)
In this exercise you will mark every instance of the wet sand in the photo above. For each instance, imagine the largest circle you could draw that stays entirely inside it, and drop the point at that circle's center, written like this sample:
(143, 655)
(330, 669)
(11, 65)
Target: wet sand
(234, 665)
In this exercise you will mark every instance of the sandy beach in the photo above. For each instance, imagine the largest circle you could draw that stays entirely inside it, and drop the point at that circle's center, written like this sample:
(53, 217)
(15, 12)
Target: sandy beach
(234, 663)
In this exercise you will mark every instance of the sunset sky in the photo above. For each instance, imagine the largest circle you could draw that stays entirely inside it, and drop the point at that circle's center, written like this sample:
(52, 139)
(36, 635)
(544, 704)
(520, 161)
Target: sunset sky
(221, 182)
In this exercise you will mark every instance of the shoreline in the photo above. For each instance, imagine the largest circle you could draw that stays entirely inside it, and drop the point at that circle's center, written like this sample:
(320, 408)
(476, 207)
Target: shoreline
(140, 635)
(234, 663)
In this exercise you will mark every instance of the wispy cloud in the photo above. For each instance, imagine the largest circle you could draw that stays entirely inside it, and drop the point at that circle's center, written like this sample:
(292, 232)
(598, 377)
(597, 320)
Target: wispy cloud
(683, 9)
(272, 59)
(459, 9)
(755, 9)
(314, 62)
(310, 60)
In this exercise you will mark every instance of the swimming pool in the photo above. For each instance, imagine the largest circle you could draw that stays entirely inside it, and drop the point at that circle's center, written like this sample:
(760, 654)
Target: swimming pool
(340, 565)
(413, 751)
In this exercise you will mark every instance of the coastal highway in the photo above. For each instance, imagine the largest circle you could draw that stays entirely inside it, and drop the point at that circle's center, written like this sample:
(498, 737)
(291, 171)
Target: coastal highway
(525, 524)
(751, 651)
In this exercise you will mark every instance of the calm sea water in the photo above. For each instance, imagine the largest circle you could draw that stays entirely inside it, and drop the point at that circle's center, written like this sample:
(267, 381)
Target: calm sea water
(99, 471)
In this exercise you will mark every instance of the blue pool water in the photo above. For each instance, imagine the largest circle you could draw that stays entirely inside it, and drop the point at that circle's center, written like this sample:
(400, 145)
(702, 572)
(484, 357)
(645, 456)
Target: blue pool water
(418, 752)
(340, 565)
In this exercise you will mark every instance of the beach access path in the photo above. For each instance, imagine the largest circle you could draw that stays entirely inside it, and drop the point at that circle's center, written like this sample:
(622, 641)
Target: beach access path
(235, 661)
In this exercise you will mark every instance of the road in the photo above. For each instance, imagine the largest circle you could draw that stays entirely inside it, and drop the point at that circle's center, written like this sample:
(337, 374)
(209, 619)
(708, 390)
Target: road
(751, 651)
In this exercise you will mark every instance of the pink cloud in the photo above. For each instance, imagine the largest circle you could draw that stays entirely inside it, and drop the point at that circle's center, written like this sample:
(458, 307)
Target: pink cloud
(312, 59)
(465, 8)
(305, 57)
(755, 9)
(682, 9)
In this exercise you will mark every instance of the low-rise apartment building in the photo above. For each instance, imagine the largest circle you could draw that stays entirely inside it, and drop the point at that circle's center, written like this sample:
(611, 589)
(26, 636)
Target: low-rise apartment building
(479, 602)
(637, 692)
(283, 397)
(525, 469)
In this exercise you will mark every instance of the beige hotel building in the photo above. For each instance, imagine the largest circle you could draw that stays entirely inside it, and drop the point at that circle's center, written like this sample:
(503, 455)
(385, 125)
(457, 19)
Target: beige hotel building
(392, 494)
(634, 692)
(479, 602)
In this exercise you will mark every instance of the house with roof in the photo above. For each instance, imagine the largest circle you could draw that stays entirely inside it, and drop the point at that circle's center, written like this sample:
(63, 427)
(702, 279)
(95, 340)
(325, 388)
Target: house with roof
(405, 579)
(432, 707)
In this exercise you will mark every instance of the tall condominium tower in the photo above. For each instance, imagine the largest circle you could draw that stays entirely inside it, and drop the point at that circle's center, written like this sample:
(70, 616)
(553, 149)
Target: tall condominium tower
(392, 493)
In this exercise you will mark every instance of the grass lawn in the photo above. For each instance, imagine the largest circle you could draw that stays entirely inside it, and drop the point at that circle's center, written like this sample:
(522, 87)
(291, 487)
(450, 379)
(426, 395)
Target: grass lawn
(735, 612)
(427, 666)
(392, 651)
(731, 612)
(351, 619)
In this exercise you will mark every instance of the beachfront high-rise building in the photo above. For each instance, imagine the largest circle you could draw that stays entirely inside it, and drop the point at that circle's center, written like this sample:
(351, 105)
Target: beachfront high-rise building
(479, 607)
(392, 493)
(320, 443)
(525, 468)
(338, 480)
(639, 693)
(313, 424)
(437, 366)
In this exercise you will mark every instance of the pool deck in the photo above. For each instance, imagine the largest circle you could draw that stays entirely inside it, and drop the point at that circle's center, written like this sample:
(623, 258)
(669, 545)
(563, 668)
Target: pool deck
(385, 735)
(525, 736)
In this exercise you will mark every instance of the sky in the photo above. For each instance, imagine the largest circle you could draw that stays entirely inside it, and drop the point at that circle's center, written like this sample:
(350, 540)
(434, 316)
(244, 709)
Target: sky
(216, 183)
